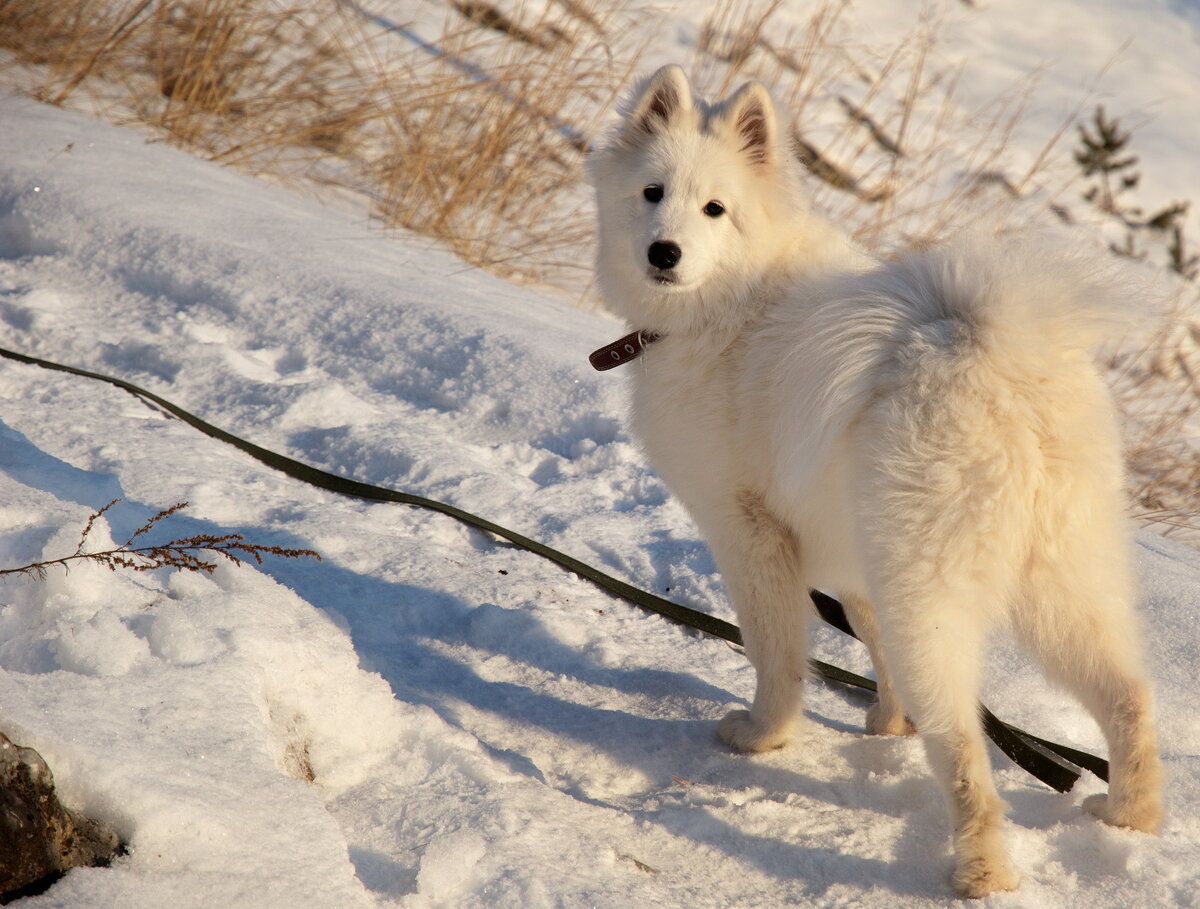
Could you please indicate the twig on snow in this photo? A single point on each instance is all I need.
(185, 552)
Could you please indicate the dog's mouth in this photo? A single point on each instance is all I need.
(663, 277)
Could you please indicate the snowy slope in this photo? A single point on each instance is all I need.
(482, 729)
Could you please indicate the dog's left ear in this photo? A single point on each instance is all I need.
(750, 115)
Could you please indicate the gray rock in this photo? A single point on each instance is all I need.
(39, 838)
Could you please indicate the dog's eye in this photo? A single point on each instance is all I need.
(653, 193)
(714, 209)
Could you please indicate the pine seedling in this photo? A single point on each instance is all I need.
(1103, 155)
(184, 553)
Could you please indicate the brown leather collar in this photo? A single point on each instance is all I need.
(627, 348)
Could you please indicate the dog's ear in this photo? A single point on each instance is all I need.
(663, 97)
(750, 115)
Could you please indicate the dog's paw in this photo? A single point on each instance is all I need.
(981, 863)
(740, 732)
(981, 876)
(893, 723)
(1146, 817)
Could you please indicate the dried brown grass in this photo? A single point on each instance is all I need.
(312, 90)
(1158, 389)
(494, 168)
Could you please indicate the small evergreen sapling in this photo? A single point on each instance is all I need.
(1103, 155)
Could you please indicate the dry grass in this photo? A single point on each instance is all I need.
(1158, 390)
(898, 157)
(494, 168)
(490, 162)
(315, 91)
(236, 80)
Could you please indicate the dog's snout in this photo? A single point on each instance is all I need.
(664, 254)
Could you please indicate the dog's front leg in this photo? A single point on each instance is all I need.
(759, 558)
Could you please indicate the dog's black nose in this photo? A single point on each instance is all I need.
(664, 254)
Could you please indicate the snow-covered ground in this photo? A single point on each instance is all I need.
(482, 729)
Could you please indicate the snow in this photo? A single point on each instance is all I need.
(428, 717)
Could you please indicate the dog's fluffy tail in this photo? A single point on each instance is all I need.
(1024, 298)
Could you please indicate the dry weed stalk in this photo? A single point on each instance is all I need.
(183, 553)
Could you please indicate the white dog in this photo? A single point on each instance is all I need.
(928, 438)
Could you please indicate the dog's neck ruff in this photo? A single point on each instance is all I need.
(621, 351)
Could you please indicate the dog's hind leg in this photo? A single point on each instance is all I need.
(886, 716)
(934, 646)
(759, 559)
(1077, 619)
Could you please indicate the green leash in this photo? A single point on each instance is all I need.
(1054, 764)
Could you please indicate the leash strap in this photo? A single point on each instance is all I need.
(1048, 761)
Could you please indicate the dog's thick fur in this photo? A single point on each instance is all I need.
(926, 437)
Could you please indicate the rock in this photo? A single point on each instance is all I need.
(39, 838)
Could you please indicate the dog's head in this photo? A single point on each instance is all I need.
(687, 195)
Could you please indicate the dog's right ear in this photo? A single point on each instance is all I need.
(663, 98)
